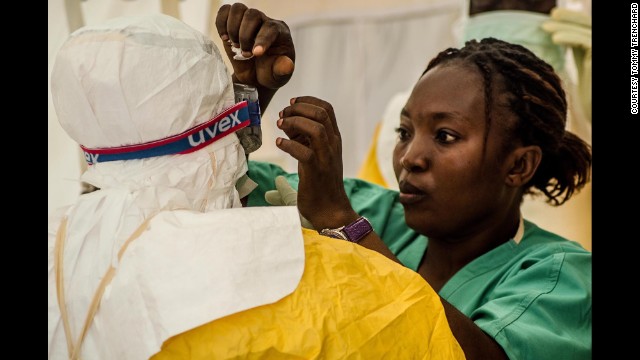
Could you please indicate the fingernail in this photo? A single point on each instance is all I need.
(224, 37)
(279, 122)
(258, 49)
(292, 101)
(280, 113)
(278, 141)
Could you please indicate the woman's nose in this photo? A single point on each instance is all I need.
(415, 159)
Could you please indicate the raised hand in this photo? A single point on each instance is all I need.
(266, 42)
(314, 140)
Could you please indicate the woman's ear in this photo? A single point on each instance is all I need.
(524, 163)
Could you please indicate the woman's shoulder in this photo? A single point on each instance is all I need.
(543, 254)
(537, 238)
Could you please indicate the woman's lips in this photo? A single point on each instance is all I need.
(407, 198)
(409, 194)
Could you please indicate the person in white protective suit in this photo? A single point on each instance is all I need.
(150, 265)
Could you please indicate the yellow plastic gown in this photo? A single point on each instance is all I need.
(350, 303)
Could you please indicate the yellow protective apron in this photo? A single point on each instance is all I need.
(350, 303)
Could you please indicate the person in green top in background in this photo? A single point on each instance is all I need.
(484, 125)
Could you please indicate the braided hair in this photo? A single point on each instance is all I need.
(539, 103)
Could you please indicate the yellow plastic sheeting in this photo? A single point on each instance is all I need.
(351, 303)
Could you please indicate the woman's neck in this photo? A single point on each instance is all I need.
(445, 257)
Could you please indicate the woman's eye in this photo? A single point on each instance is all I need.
(445, 137)
(403, 134)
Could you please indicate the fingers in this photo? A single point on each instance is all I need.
(234, 21)
(568, 34)
(267, 67)
(308, 141)
(250, 30)
(577, 17)
(328, 108)
(250, 34)
(221, 22)
(268, 34)
(273, 40)
(311, 132)
(569, 27)
(315, 109)
(239, 24)
(252, 21)
(298, 151)
(274, 198)
(287, 192)
(310, 124)
(571, 39)
(555, 26)
(283, 66)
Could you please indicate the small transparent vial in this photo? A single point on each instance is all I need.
(251, 136)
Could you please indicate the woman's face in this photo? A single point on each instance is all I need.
(448, 187)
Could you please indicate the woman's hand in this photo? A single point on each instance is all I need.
(267, 42)
(314, 140)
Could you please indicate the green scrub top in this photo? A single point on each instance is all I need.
(532, 297)
(376, 203)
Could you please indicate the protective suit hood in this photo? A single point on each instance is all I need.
(138, 83)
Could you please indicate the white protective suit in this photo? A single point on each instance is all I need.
(146, 266)
(135, 81)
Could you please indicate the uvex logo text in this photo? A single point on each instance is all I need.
(216, 129)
